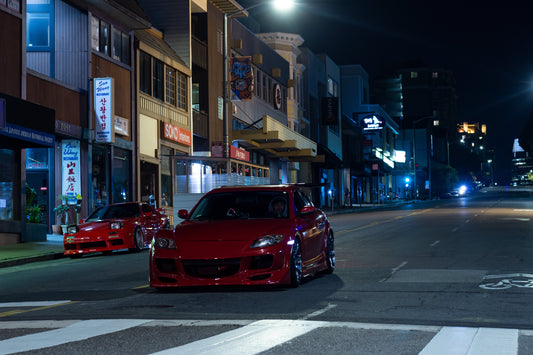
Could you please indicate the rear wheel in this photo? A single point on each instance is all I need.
(137, 240)
(296, 264)
(330, 254)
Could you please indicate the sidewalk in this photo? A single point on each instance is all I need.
(52, 248)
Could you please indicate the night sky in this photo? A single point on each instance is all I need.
(487, 45)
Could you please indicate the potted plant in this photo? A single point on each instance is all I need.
(61, 212)
(35, 230)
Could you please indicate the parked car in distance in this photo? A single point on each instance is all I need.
(244, 235)
(129, 225)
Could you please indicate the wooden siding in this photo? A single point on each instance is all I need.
(70, 106)
(10, 57)
(102, 68)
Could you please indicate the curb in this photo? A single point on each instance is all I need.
(32, 259)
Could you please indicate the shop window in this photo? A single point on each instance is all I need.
(8, 177)
(36, 158)
(99, 182)
(38, 28)
(166, 176)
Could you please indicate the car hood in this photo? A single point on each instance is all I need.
(238, 230)
(96, 226)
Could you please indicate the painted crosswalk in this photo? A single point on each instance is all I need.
(253, 337)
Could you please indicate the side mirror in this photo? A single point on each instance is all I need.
(308, 209)
(182, 214)
(81, 221)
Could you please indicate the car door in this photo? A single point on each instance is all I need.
(311, 229)
(150, 220)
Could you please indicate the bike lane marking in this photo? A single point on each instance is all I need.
(473, 341)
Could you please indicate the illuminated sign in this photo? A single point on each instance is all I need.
(70, 162)
(277, 96)
(177, 134)
(103, 109)
(239, 153)
(372, 123)
(399, 156)
(122, 126)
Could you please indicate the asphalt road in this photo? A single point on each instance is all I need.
(404, 272)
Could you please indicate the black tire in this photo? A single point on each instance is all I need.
(330, 254)
(137, 240)
(296, 265)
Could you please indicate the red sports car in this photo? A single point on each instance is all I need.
(245, 235)
(129, 225)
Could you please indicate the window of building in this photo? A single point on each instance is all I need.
(39, 25)
(158, 79)
(110, 40)
(182, 91)
(145, 73)
(414, 75)
(170, 95)
(434, 75)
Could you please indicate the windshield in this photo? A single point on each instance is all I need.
(115, 212)
(242, 205)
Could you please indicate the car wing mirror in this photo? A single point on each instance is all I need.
(307, 209)
(182, 214)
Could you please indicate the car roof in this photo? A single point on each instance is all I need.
(282, 187)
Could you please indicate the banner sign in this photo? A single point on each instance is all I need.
(372, 123)
(242, 79)
(28, 135)
(239, 153)
(330, 111)
(122, 126)
(278, 99)
(104, 110)
(177, 134)
(70, 164)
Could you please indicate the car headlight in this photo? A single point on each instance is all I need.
(116, 225)
(267, 241)
(72, 229)
(164, 243)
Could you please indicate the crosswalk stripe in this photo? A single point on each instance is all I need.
(75, 332)
(251, 339)
(473, 341)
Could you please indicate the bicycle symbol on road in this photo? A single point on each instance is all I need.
(507, 281)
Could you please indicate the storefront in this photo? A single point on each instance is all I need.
(26, 144)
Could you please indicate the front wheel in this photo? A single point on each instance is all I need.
(296, 264)
(137, 240)
(330, 254)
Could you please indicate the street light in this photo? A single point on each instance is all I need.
(280, 5)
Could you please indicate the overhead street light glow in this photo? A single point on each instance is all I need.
(283, 4)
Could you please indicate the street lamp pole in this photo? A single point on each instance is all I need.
(225, 97)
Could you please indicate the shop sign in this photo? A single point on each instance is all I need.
(372, 123)
(28, 135)
(399, 156)
(278, 99)
(177, 134)
(122, 126)
(70, 162)
(104, 110)
(242, 79)
(217, 149)
(238, 153)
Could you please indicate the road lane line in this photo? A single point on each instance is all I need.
(252, 339)
(18, 311)
(435, 243)
(473, 341)
(382, 222)
(319, 312)
(32, 304)
(75, 332)
(395, 270)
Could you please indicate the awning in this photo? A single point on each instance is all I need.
(276, 139)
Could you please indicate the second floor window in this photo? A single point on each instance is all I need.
(110, 41)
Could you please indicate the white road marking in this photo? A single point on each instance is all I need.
(393, 271)
(515, 219)
(523, 210)
(473, 341)
(435, 243)
(319, 312)
(32, 304)
(74, 332)
(455, 230)
(252, 339)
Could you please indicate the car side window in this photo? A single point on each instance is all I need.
(299, 202)
(147, 209)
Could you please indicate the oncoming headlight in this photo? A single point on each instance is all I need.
(164, 243)
(267, 241)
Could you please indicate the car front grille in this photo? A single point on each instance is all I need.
(212, 269)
